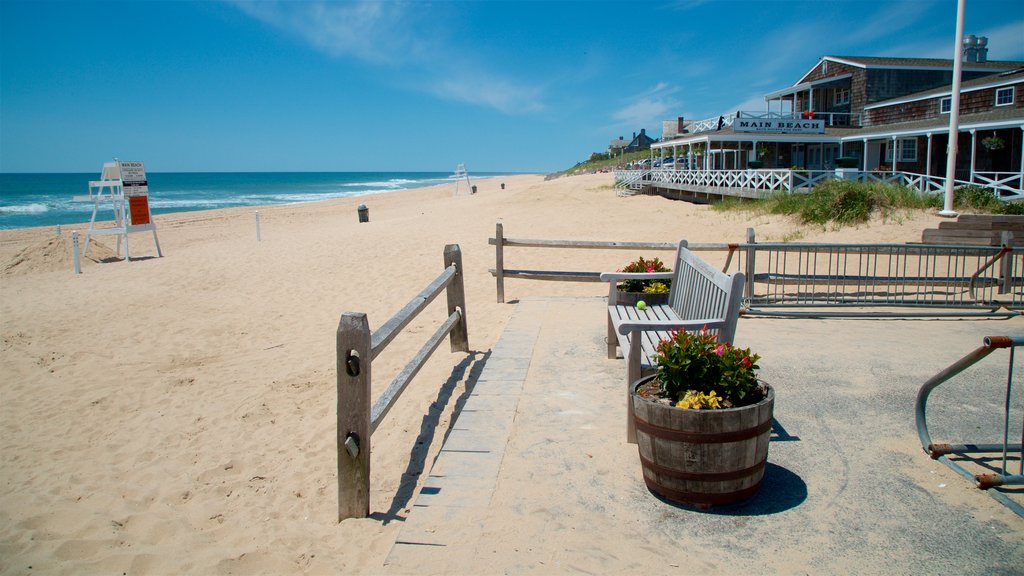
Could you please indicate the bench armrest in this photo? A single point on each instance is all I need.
(616, 276)
(665, 325)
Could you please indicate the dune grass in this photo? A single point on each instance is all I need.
(844, 203)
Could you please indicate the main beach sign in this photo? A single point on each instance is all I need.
(779, 125)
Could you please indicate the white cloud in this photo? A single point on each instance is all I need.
(378, 32)
(387, 33)
(649, 108)
(492, 92)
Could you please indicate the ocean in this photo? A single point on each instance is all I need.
(28, 200)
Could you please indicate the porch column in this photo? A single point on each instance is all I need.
(1021, 172)
(864, 160)
(974, 151)
(895, 154)
(928, 161)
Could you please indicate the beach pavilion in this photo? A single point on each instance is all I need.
(874, 118)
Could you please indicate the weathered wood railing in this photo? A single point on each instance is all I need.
(356, 349)
(500, 272)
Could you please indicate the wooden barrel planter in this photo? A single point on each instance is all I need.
(651, 299)
(702, 457)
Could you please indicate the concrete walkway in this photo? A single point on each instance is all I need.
(536, 477)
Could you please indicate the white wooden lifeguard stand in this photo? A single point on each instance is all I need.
(122, 186)
(458, 176)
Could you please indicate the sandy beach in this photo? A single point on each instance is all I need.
(177, 414)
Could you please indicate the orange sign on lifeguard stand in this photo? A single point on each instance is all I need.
(118, 181)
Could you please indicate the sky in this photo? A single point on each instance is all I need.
(418, 86)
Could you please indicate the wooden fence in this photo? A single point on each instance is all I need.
(500, 243)
(356, 349)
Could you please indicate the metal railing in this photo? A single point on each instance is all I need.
(356, 349)
(942, 452)
(977, 280)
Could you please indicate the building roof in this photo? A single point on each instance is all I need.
(1004, 117)
(877, 62)
(993, 80)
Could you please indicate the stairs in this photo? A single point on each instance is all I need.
(976, 230)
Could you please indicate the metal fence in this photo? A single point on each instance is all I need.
(966, 280)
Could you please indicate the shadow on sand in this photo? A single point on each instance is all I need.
(781, 490)
(469, 369)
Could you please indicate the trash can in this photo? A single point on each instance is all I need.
(364, 213)
(473, 188)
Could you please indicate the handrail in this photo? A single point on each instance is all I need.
(941, 451)
(356, 349)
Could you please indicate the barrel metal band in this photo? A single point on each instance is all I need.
(702, 476)
(700, 437)
(701, 497)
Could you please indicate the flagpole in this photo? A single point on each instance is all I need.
(954, 113)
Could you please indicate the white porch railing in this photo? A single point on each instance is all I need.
(1007, 186)
(711, 123)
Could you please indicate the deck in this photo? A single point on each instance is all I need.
(536, 467)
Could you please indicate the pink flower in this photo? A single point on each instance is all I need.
(720, 349)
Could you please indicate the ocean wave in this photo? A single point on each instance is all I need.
(389, 184)
(34, 208)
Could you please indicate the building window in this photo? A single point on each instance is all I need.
(907, 148)
(1004, 96)
(842, 96)
(945, 105)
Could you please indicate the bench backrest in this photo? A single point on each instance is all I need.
(699, 290)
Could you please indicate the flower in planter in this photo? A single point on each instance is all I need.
(993, 143)
(647, 286)
(696, 371)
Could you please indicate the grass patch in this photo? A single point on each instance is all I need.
(844, 203)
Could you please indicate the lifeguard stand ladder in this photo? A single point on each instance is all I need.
(459, 175)
(123, 185)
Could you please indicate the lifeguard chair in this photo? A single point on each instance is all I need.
(123, 187)
(461, 174)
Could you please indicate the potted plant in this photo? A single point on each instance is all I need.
(653, 292)
(703, 420)
(993, 142)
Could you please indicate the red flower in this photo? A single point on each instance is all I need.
(746, 362)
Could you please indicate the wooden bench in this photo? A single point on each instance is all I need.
(700, 296)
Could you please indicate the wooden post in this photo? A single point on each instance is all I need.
(748, 289)
(1006, 266)
(456, 293)
(353, 366)
(499, 262)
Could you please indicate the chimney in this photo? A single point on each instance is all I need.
(975, 49)
(680, 125)
(642, 130)
(634, 135)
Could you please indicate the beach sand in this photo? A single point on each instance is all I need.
(177, 414)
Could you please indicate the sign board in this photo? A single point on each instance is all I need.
(779, 125)
(138, 209)
(133, 178)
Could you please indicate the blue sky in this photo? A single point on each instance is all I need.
(392, 86)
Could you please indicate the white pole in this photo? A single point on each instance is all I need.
(257, 225)
(954, 113)
(58, 230)
(74, 248)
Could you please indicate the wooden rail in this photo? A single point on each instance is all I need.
(500, 243)
(356, 349)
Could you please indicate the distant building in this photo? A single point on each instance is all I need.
(640, 141)
(615, 147)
